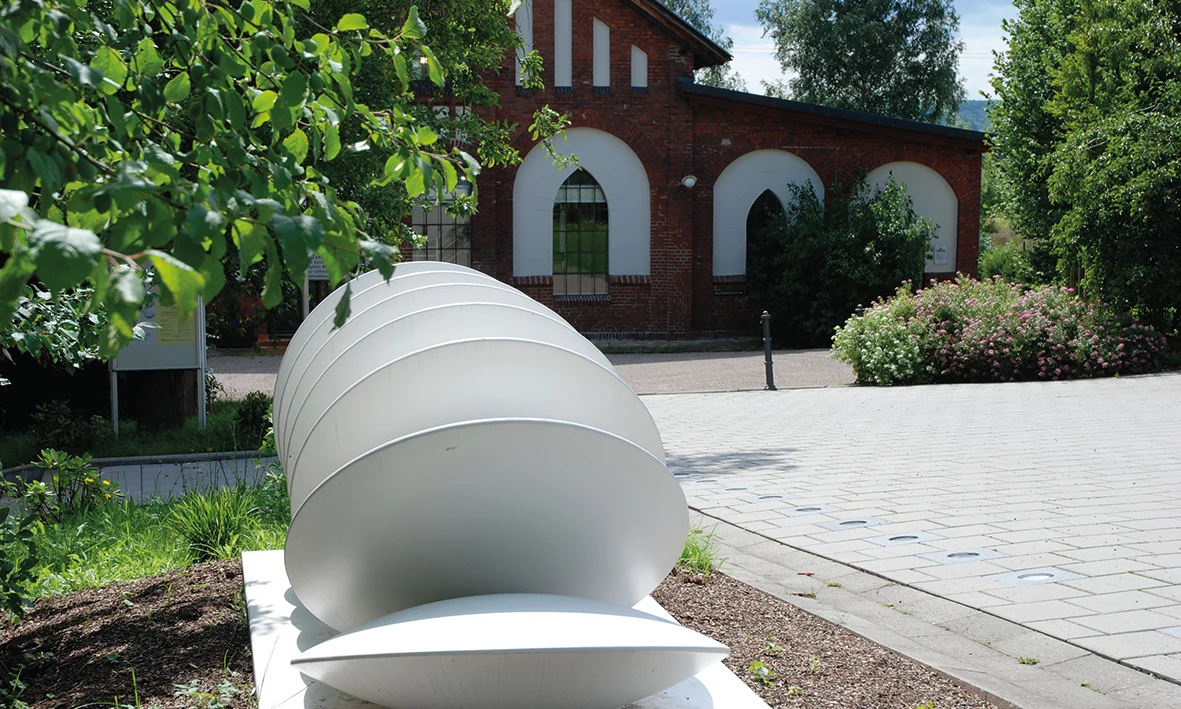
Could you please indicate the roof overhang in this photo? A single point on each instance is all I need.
(756, 101)
(705, 51)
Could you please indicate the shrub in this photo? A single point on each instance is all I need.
(76, 486)
(983, 331)
(18, 561)
(252, 420)
(56, 425)
(217, 524)
(815, 263)
(1008, 261)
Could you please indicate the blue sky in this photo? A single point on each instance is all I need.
(980, 28)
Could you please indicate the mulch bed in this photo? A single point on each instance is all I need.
(815, 663)
(190, 626)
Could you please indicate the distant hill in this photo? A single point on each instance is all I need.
(973, 113)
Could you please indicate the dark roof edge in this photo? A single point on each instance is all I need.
(707, 49)
(688, 86)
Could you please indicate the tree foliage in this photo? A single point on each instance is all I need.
(1092, 160)
(164, 133)
(890, 57)
(816, 262)
(700, 14)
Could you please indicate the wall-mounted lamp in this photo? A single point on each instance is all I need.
(688, 181)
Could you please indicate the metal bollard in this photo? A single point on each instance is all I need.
(767, 350)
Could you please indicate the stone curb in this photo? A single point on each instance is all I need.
(150, 460)
(974, 649)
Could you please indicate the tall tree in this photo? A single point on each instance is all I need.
(890, 57)
(1025, 132)
(700, 14)
(1116, 175)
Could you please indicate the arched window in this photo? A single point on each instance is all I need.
(580, 237)
(765, 209)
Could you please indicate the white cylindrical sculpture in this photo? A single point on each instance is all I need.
(367, 290)
(362, 418)
(478, 500)
(559, 651)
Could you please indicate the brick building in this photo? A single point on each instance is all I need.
(647, 238)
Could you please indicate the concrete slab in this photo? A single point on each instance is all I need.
(280, 629)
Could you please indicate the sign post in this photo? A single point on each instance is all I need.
(173, 343)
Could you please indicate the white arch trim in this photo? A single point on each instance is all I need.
(625, 185)
(735, 192)
(933, 198)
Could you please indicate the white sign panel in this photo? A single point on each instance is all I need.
(170, 342)
(317, 271)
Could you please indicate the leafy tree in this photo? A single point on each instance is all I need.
(700, 14)
(200, 127)
(890, 57)
(1088, 142)
(1025, 132)
(815, 263)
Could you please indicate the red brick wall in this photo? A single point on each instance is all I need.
(675, 135)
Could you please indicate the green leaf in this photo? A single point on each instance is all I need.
(124, 298)
(113, 68)
(434, 68)
(13, 276)
(147, 59)
(251, 241)
(180, 279)
(331, 141)
(415, 183)
(299, 237)
(64, 255)
(400, 69)
(264, 101)
(297, 143)
(178, 88)
(414, 28)
(382, 255)
(301, 4)
(82, 74)
(12, 202)
(46, 168)
(450, 175)
(426, 136)
(352, 21)
(344, 307)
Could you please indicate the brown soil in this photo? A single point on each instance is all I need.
(815, 663)
(190, 626)
(184, 626)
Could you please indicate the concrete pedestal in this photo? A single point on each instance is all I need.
(280, 629)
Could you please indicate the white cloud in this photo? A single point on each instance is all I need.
(754, 56)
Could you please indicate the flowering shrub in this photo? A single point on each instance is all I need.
(76, 487)
(992, 331)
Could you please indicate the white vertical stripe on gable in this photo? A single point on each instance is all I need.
(639, 68)
(602, 72)
(524, 19)
(563, 43)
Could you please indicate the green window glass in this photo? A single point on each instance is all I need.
(580, 237)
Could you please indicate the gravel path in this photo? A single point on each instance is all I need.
(667, 373)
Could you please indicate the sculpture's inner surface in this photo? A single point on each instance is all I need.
(478, 501)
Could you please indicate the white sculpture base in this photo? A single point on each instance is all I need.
(280, 629)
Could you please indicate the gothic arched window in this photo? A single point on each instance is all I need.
(580, 237)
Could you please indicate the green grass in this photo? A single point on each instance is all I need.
(20, 448)
(127, 541)
(699, 555)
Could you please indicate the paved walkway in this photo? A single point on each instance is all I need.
(1053, 505)
(646, 373)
